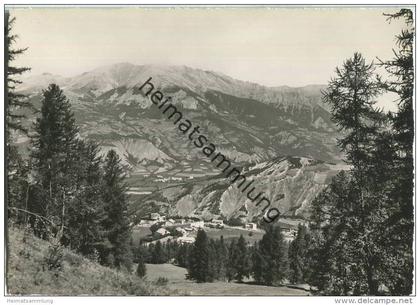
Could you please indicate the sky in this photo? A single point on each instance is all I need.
(291, 46)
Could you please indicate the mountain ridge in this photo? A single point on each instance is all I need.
(249, 123)
(131, 65)
(127, 74)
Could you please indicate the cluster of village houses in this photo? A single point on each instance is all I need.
(169, 179)
(184, 230)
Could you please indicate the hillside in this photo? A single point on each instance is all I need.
(27, 273)
(248, 121)
(250, 124)
(177, 280)
(298, 179)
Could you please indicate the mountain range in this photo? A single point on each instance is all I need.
(250, 123)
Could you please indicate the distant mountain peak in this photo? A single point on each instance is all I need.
(125, 74)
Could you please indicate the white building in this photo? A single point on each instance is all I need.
(186, 240)
(157, 217)
(154, 216)
(197, 224)
(251, 226)
(216, 223)
(181, 231)
(162, 232)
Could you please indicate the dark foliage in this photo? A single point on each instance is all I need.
(270, 263)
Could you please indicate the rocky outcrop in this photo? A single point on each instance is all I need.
(291, 183)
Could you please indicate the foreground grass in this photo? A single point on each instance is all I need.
(177, 280)
(28, 274)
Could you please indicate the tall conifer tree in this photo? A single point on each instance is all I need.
(17, 169)
(270, 263)
(352, 97)
(16, 102)
(298, 256)
(86, 212)
(198, 268)
(399, 228)
(54, 154)
(117, 223)
(242, 260)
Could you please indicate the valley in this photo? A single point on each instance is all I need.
(164, 176)
(276, 135)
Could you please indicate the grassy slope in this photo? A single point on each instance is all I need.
(27, 273)
(176, 280)
(230, 233)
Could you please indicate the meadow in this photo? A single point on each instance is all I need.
(227, 232)
(177, 281)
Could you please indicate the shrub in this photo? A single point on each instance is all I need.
(161, 281)
(141, 269)
(53, 258)
(73, 259)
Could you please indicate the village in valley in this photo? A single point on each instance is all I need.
(184, 230)
(190, 165)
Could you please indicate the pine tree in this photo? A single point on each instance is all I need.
(367, 223)
(143, 251)
(150, 250)
(213, 260)
(168, 250)
(298, 256)
(116, 223)
(399, 228)
(242, 260)
(141, 267)
(335, 255)
(18, 186)
(198, 268)
(222, 257)
(54, 156)
(351, 95)
(86, 212)
(231, 270)
(257, 264)
(158, 254)
(171, 248)
(17, 169)
(270, 262)
(15, 101)
(182, 256)
(401, 70)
